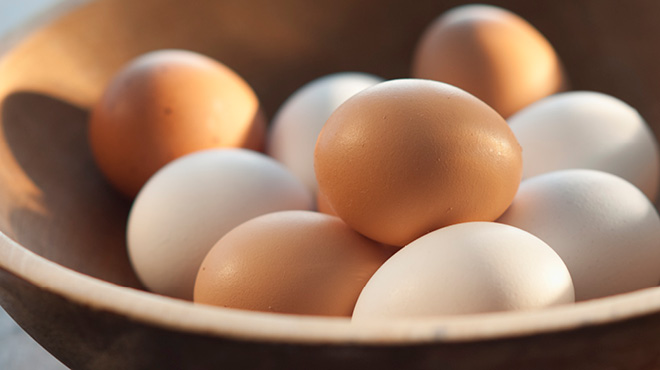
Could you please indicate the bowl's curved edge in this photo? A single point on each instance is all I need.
(187, 317)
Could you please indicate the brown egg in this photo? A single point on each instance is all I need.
(166, 104)
(297, 262)
(408, 156)
(491, 53)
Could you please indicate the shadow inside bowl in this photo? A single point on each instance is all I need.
(74, 217)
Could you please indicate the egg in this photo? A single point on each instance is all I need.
(467, 268)
(587, 129)
(298, 122)
(405, 157)
(294, 262)
(603, 227)
(165, 104)
(189, 204)
(492, 53)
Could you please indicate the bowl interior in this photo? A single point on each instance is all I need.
(53, 200)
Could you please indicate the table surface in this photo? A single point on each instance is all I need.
(18, 351)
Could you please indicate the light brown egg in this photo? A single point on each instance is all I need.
(408, 156)
(492, 53)
(297, 262)
(165, 104)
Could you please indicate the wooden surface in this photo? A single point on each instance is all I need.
(64, 274)
(18, 351)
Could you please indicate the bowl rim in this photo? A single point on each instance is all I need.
(184, 316)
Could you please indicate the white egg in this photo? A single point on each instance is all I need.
(189, 204)
(604, 228)
(466, 268)
(585, 129)
(298, 122)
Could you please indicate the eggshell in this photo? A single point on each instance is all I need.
(493, 54)
(298, 122)
(294, 262)
(466, 268)
(603, 227)
(586, 129)
(189, 204)
(165, 104)
(405, 157)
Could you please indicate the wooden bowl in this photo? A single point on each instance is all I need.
(64, 272)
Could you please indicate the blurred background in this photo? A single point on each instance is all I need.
(15, 12)
(17, 350)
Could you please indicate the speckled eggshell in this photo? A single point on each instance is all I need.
(587, 129)
(492, 53)
(293, 262)
(406, 157)
(188, 205)
(603, 227)
(298, 122)
(468, 268)
(165, 104)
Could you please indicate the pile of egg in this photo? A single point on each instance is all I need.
(479, 184)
